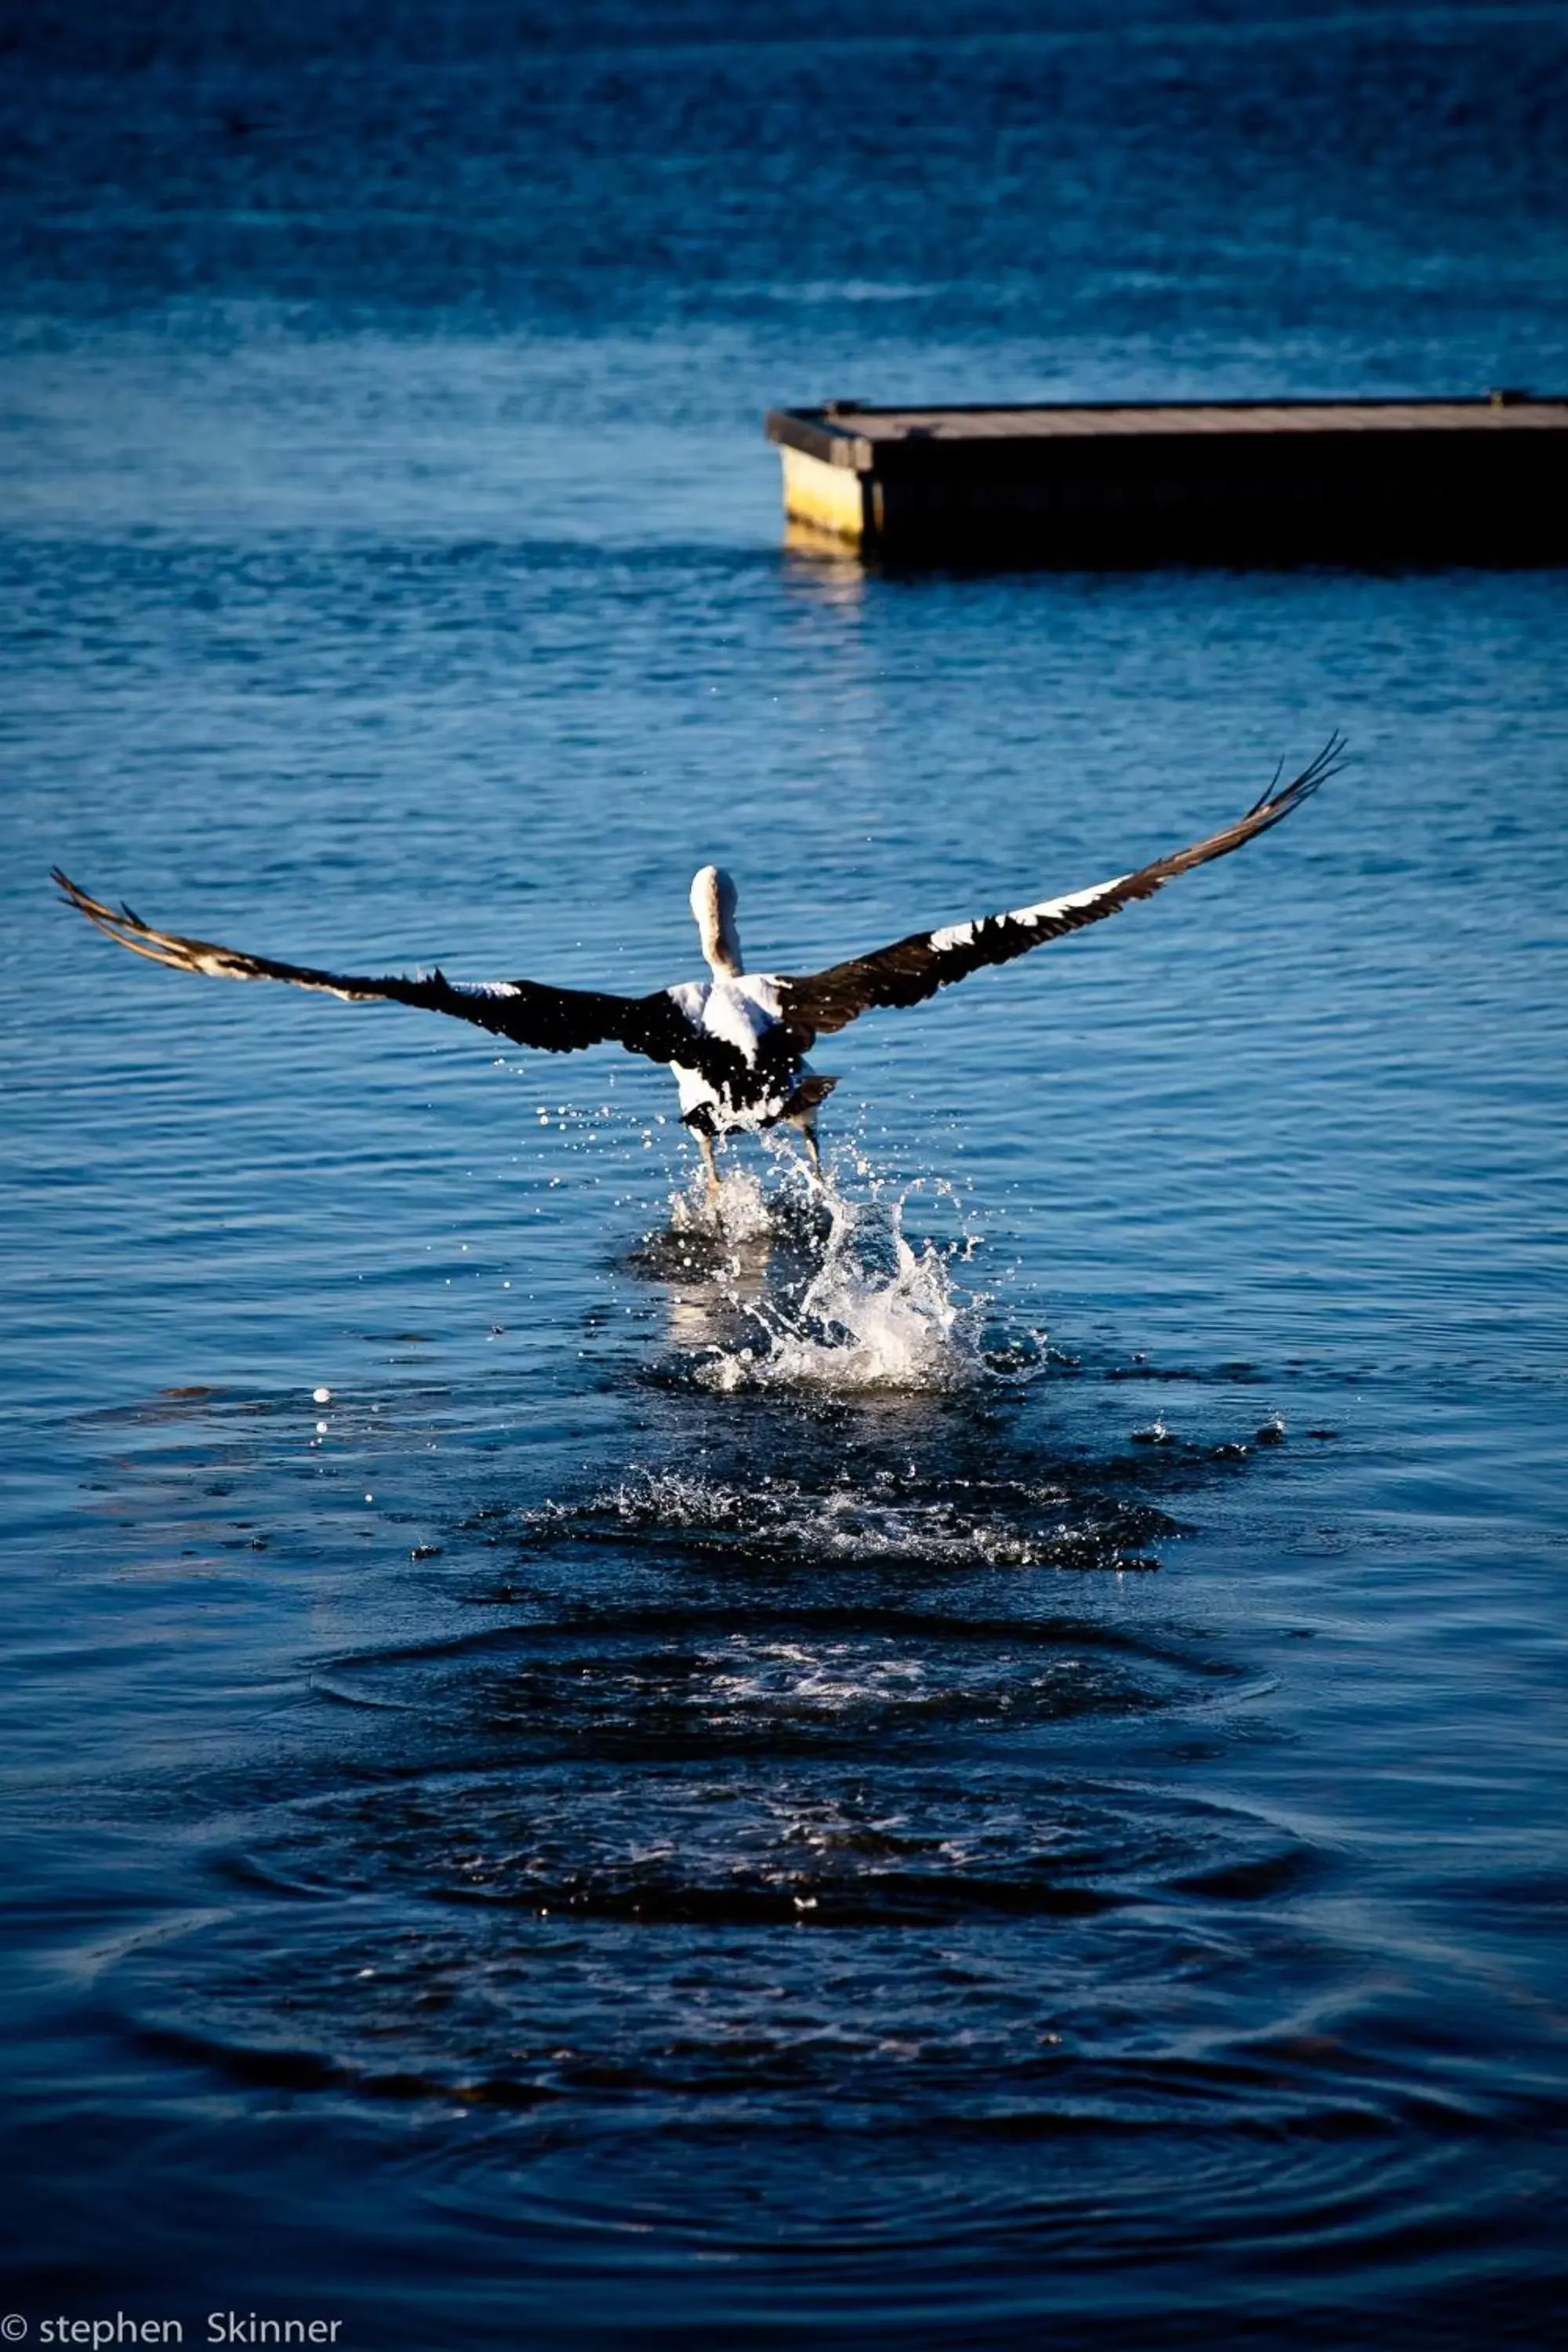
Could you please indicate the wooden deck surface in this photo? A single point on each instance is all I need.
(880, 424)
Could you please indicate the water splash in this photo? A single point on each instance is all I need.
(937, 1519)
(840, 1299)
(739, 1212)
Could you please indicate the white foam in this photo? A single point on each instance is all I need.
(670, 1498)
(739, 1212)
(858, 1324)
(952, 1525)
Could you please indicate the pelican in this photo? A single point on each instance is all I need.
(737, 1042)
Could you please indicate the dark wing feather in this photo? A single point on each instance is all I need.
(915, 968)
(554, 1020)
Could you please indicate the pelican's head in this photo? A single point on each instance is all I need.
(713, 897)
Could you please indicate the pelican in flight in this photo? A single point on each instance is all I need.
(737, 1043)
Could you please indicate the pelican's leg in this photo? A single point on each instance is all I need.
(802, 1109)
(705, 1143)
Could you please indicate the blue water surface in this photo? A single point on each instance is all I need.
(722, 1784)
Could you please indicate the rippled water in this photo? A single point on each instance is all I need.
(977, 1758)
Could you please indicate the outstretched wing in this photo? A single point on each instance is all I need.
(554, 1020)
(913, 969)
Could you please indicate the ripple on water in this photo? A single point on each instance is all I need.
(910, 1517)
(787, 1807)
(832, 1675)
(940, 2008)
(488, 1922)
(773, 1864)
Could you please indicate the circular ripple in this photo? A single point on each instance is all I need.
(937, 2053)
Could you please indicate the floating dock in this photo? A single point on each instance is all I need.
(1250, 481)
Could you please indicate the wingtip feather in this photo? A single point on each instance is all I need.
(1278, 801)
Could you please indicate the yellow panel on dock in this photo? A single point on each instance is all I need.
(826, 498)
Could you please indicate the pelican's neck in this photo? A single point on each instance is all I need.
(723, 955)
(713, 897)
